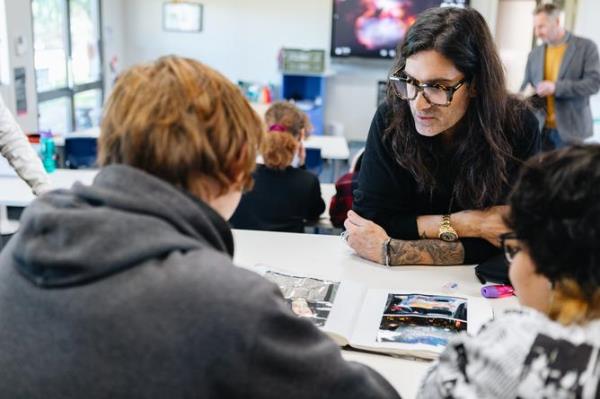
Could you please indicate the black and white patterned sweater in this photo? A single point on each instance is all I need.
(522, 354)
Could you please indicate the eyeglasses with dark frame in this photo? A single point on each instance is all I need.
(438, 94)
(510, 245)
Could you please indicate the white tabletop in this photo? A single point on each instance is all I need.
(332, 147)
(15, 192)
(329, 257)
(93, 132)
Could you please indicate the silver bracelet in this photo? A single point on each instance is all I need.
(386, 251)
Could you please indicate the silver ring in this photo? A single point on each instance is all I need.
(344, 235)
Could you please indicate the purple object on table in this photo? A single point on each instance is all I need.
(497, 291)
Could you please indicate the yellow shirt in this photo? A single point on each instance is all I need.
(554, 56)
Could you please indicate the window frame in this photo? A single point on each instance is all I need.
(71, 89)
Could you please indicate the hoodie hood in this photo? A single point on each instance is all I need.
(73, 237)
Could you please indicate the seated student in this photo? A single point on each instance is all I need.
(341, 202)
(284, 196)
(126, 288)
(550, 348)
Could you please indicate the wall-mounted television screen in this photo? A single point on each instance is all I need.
(373, 28)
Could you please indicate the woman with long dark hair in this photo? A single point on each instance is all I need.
(443, 151)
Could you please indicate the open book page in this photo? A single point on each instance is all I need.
(415, 324)
(393, 321)
(331, 305)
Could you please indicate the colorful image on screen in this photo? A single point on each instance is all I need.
(373, 28)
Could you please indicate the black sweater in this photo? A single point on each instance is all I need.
(387, 193)
(281, 200)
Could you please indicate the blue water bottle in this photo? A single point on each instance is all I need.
(47, 151)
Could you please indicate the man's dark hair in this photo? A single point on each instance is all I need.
(555, 211)
(551, 10)
(490, 127)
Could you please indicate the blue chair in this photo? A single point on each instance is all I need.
(314, 161)
(80, 152)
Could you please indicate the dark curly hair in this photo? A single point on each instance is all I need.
(555, 211)
(492, 125)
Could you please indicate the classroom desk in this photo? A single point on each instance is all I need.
(330, 258)
(15, 192)
(94, 132)
(334, 148)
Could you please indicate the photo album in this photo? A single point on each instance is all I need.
(396, 322)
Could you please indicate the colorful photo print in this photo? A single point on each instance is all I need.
(422, 319)
(310, 298)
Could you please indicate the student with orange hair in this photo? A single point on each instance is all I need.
(126, 288)
(284, 196)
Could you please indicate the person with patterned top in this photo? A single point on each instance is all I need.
(551, 347)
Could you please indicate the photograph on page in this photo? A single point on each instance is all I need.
(308, 297)
(422, 319)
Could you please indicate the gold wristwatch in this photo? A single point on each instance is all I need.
(447, 232)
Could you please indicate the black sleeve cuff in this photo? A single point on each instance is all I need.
(402, 227)
(477, 250)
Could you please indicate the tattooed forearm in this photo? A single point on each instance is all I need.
(426, 252)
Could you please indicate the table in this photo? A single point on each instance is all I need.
(15, 192)
(332, 147)
(94, 132)
(330, 258)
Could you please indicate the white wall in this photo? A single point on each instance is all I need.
(4, 57)
(514, 37)
(241, 39)
(113, 12)
(587, 25)
(18, 24)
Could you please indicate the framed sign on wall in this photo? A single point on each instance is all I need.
(182, 16)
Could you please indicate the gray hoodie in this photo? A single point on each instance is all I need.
(126, 289)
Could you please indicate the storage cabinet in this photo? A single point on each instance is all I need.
(308, 92)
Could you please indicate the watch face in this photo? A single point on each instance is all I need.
(448, 236)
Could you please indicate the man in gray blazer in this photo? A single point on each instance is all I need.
(565, 72)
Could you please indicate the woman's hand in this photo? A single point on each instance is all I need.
(365, 237)
(493, 225)
(490, 223)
